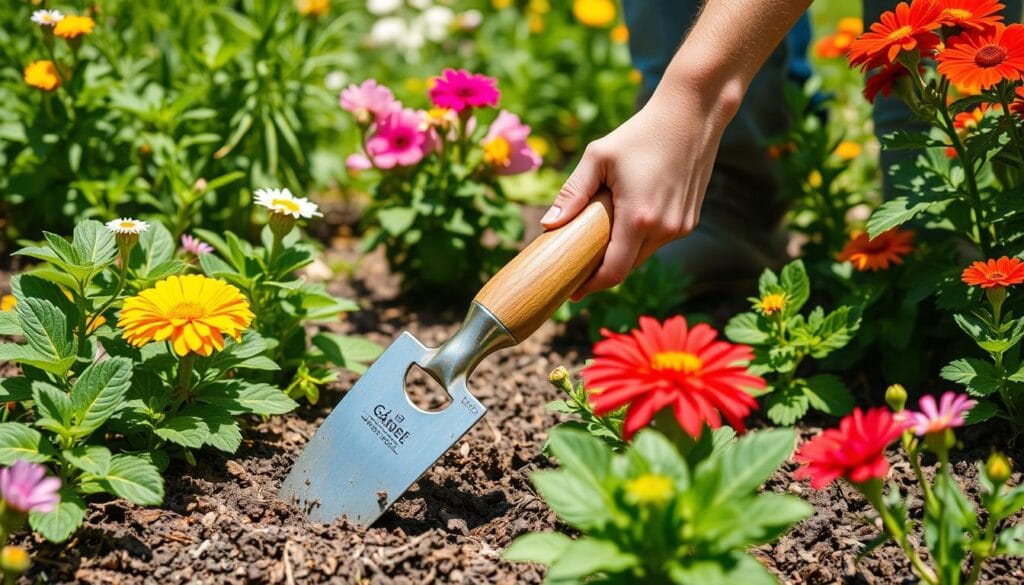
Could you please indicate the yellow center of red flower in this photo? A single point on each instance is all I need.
(187, 311)
(957, 13)
(287, 204)
(679, 361)
(990, 56)
(900, 33)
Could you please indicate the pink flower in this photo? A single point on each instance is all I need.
(368, 101)
(505, 146)
(458, 90)
(195, 246)
(936, 418)
(398, 140)
(25, 487)
(357, 161)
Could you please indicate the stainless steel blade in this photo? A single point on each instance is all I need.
(376, 442)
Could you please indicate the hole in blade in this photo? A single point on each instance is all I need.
(424, 391)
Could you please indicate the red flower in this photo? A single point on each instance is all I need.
(667, 364)
(981, 59)
(855, 451)
(994, 273)
(909, 28)
(970, 14)
(883, 81)
(1017, 106)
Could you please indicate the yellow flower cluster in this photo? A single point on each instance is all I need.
(594, 13)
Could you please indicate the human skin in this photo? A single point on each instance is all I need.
(658, 163)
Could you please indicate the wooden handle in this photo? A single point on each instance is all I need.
(527, 290)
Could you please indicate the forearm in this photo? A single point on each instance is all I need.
(725, 48)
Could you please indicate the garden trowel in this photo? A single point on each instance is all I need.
(376, 442)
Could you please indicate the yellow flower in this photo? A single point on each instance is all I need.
(635, 76)
(313, 7)
(72, 27)
(814, 179)
(14, 559)
(501, 4)
(772, 303)
(848, 150)
(539, 6)
(594, 13)
(42, 75)
(7, 303)
(193, 312)
(851, 25)
(536, 23)
(414, 84)
(538, 145)
(497, 152)
(619, 34)
(650, 488)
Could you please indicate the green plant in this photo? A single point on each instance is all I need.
(655, 515)
(608, 428)
(783, 338)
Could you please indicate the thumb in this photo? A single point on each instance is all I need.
(577, 191)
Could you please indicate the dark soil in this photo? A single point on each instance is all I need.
(221, 521)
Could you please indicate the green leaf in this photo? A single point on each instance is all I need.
(661, 456)
(94, 244)
(752, 460)
(588, 556)
(396, 220)
(15, 389)
(20, 441)
(828, 394)
(53, 407)
(155, 247)
(59, 524)
(769, 516)
(241, 398)
(46, 329)
(576, 500)
(979, 377)
(134, 479)
(537, 547)
(93, 459)
(796, 285)
(25, 355)
(727, 569)
(981, 412)
(222, 431)
(581, 454)
(98, 393)
(348, 352)
(895, 212)
(786, 405)
(747, 328)
(184, 430)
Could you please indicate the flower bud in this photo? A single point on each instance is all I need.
(281, 224)
(559, 378)
(896, 397)
(998, 468)
(14, 559)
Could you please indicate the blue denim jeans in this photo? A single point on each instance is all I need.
(657, 28)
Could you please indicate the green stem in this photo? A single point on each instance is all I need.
(122, 279)
(977, 212)
(185, 365)
(873, 491)
(913, 453)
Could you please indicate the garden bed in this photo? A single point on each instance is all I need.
(221, 521)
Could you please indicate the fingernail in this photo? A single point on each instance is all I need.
(552, 214)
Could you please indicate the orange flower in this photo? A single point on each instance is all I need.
(851, 25)
(72, 27)
(833, 46)
(1017, 107)
(994, 273)
(909, 28)
(42, 75)
(970, 14)
(670, 365)
(979, 60)
(887, 249)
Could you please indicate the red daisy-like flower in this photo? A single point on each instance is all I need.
(883, 81)
(970, 14)
(980, 59)
(855, 451)
(668, 364)
(994, 273)
(908, 28)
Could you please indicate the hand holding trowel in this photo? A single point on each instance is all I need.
(376, 443)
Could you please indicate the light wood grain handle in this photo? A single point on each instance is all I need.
(527, 290)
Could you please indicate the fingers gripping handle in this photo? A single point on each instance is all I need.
(527, 290)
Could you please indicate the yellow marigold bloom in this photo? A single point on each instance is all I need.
(594, 13)
(42, 75)
(7, 303)
(539, 6)
(771, 304)
(851, 25)
(848, 150)
(539, 145)
(814, 179)
(193, 312)
(313, 7)
(619, 34)
(650, 488)
(72, 27)
(536, 23)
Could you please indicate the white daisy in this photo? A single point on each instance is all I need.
(47, 17)
(127, 225)
(282, 201)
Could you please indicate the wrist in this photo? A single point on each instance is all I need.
(714, 89)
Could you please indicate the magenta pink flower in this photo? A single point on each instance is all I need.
(25, 487)
(195, 246)
(505, 146)
(458, 90)
(357, 161)
(368, 101)
(398, 140)
(936, 418)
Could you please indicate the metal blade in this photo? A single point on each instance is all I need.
(376, 442)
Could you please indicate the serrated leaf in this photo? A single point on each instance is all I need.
(46, 329)
(94, 459)
(99, 392)
(981, 412)
(581, 454)
(747, 328)
(796, 285)
(59, 524)
(752, 460)
(979, 377)
(134, 479)
(787, 405)
(894, 213)
(20, 441)
(94, 244)
(828, 394)
(25, 355)
(241, 398)
(53, 407)
(186, 431)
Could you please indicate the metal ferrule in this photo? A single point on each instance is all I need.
(481, 334)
